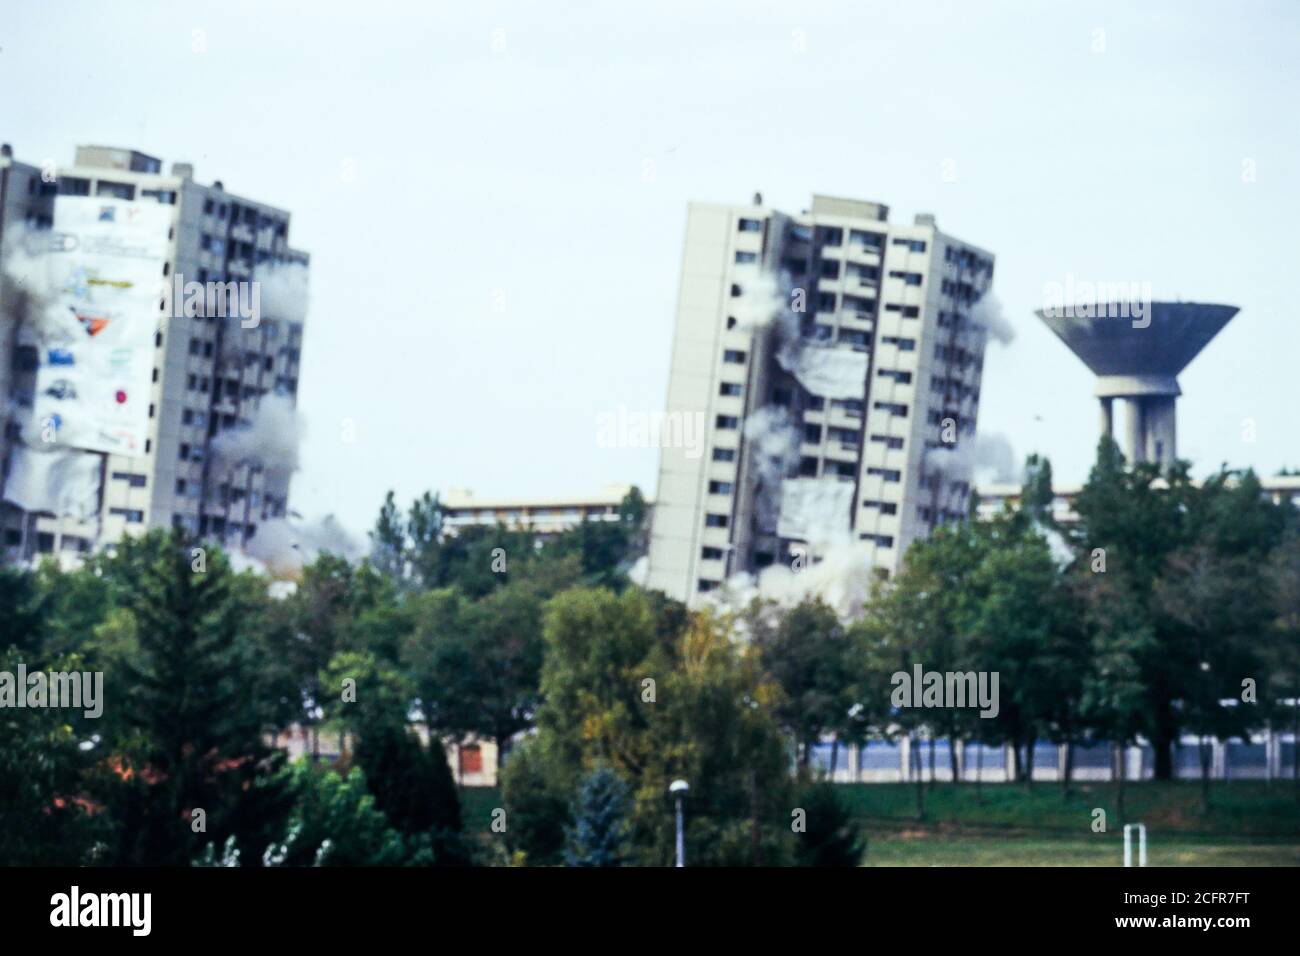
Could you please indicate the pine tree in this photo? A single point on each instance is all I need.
(599, 834)
(199, 748)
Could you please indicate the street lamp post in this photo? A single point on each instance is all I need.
(679, 789)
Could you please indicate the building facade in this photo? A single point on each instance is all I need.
(835, 359)
(213, 373)
(994, 498)
(541, 516)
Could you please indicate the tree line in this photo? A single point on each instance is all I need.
(1161, 602)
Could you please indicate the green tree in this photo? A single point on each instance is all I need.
(831, 836)
(388, 545)
(198, 746)
(47, 816)
(599, 833)
(807, 652)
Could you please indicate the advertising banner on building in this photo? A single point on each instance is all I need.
(96, 336)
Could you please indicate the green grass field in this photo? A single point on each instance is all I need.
(1250, 823)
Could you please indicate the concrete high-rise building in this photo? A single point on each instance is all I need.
(201, 375)
(834, 359)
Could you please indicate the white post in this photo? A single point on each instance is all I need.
(1128, 843)
(681, 842)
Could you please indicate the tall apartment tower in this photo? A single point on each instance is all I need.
(67, 491)
(835, 360)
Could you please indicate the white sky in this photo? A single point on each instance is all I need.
(521, 169)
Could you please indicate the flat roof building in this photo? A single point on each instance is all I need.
(540, 515)
(135, 403)
(834, 360)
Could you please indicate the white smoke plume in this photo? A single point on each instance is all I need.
(270, 439)
(988, 315)
(842, 577)
(774, 441)
(283, 545)
(1062, 553)
(987, 456)
(829, 372)
(284, 291)
(816, 510)
(761, 300)
(32, 301)
(639, 573)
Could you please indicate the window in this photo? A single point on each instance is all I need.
(808, 467)
(830, 269)
(734, 357)
(180, 486)
(72, 186)
(750, 225)
(727, 421)
(902, 378)
(845, 436)
(911, 278)
(115, 190)
(871, 240)
(856, 303)
(135, 481)
(904, 345)
(888, 474)
(885, 507)
(831, 235)
(852, 407)
(826, 301)
(719, 487)
(812, 434)
(913, 245)
(132, 516)
(724, 454)
(893, 442)
(781, 396)
(729, 388)
(852, 337)
(892, 407)
(707, 585)
(711, 554)
(715, 521)
(744, 258)
(842, 469)
(184, 454)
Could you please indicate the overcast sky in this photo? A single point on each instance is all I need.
(494, 194)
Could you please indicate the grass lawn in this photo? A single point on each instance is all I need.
(1250, 823)
(1099, 849)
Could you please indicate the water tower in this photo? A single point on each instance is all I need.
(1137, 360)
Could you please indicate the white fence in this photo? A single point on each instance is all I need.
(1264, 756)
